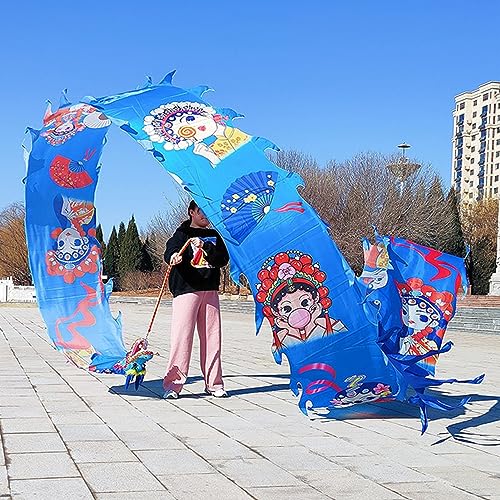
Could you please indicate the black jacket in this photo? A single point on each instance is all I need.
(198, 271)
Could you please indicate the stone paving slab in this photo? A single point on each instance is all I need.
(202, 487)
(41, 465)
(4, 482)
(67, 434)
(70, 488)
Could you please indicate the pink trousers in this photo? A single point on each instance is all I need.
(200, 309)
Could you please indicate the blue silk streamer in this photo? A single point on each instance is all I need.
(64, 254)
(348, 340)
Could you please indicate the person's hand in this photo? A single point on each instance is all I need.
(175, 259)
(197, 242)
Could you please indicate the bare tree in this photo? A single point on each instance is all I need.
(354, 195)
(13, 250)
(163, 225)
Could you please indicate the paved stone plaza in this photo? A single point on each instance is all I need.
(68, 434)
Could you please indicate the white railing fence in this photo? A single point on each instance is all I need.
(16, 293)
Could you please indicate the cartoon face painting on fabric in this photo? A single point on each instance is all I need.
(347, 340)
(64, 254)
(414, 291)
(295, 301)
(411, 293)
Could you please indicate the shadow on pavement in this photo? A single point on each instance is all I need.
(154, 388)
(466, 431)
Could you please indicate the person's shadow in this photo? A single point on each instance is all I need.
(466, 431)
(154, 388)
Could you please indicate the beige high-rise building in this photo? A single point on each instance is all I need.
(476, 143)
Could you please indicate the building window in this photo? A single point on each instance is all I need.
(472, 160)
(462, 105)
(497, 154)
(498, 142)
(484, 111)
(475, 102)
(472, 149)
(474, 125)
(474, 114)
(496, 178)
(485, 96)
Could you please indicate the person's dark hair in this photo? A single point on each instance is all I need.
(192, 206)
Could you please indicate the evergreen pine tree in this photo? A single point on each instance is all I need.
(420, 193)
(111, 255)
(121, 235)
(146, 257)
(130, 249)
(456, 242)
(100, 238)
(436, 193)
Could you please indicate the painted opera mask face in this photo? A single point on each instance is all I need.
(193, 126)
(179, 125)
(64, 128)
(297, 307)
(418, 313)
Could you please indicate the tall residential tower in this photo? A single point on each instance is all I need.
(476, 143)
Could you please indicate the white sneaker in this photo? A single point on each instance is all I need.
(170, 395)
(219, 393)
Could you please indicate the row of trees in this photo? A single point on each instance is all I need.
(126, 258)
(350, 196)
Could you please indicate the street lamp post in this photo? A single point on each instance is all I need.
(495, 278)
(402, 168)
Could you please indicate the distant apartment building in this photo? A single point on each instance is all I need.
(476, 143)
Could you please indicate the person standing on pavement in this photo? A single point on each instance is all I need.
(194, 283)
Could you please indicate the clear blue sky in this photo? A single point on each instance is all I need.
(330, 78)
